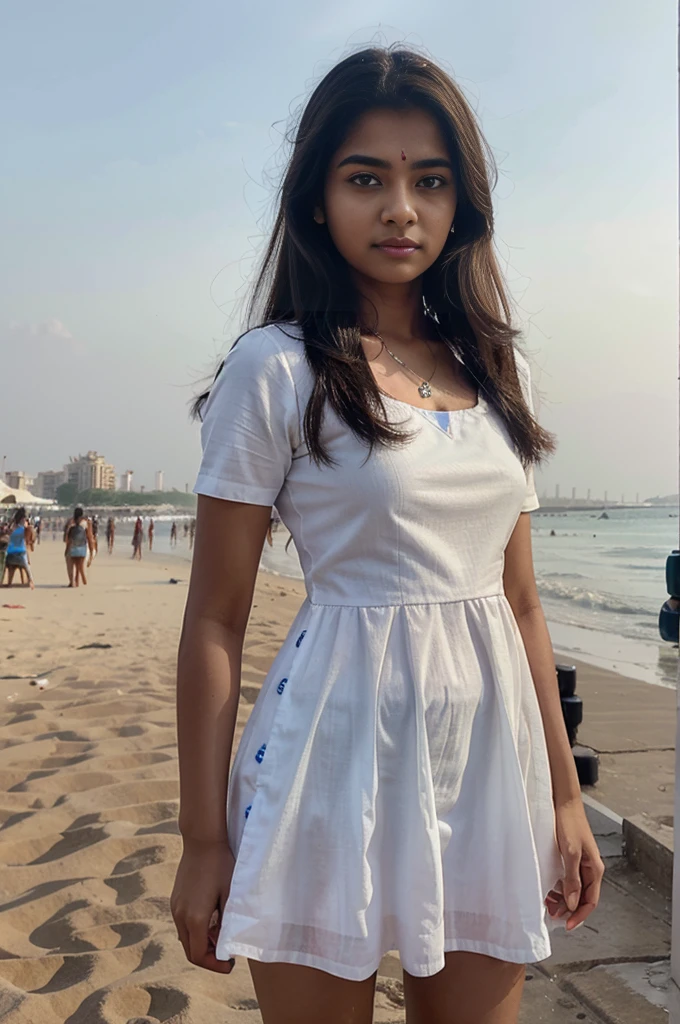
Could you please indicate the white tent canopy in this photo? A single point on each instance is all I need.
(17, 496)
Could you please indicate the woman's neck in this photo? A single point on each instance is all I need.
(393, 311)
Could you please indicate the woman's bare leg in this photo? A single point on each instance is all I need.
(69, 570)
(27, 569)
(471, 989)
(292, 994)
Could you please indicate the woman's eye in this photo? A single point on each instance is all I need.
(432, 181)
(364, 179)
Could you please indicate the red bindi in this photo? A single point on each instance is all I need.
(403, 155)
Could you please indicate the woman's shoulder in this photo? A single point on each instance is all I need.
(280, 339)
(271, 351)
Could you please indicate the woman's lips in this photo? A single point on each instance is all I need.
(398, 251)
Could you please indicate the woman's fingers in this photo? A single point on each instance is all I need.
(589, 901)
(592, 871)
(571, 881)
(560, 900)
(555, 904)
(202, 943)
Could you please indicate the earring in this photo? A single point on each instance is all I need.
(453, 229)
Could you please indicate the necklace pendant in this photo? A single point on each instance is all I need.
(424, 390)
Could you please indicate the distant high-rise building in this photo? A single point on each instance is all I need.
(18, 480)
(605, 497)
(90, 473)
(159, 480)
(46, 483)
(557, 490)
(126, 480)
(637, 497)
(573, 494)
(589, 494)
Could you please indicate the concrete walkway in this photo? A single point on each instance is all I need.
(632, 726)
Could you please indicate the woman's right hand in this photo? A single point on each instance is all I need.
(198, 898)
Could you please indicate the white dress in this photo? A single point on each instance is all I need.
(392, 788)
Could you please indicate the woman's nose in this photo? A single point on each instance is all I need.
(399, 208)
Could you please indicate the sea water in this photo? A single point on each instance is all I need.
(601, 584)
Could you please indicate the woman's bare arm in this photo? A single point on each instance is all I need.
(229, 540)
(519, 583)
(577, 893)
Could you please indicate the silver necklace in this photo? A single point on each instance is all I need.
(424, 389)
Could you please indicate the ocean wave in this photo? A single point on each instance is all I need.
(563, 575)
(590, 599)
(638, 552)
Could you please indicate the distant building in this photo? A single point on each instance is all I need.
(18, 480)
(90, 473)
(159, 480)
(126, 480)
(46, 483)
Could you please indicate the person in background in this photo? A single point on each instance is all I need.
(20, 541)
(138, 539)
(151, 529)
(37, 526)
(110, 533)
(79, 540)
(192, 533)
(173, 534)
(94, 523)
(4, 542)
(186, 530)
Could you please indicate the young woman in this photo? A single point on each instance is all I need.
(79, 540)
(18, 547)
(405, 779)
(138, 538)
(110, 533)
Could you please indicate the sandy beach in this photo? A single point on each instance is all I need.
(88, 780)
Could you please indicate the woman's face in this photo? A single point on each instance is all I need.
(390, 197)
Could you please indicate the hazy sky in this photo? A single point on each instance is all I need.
(140, 144)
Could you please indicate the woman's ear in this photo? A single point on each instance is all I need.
(319, 215)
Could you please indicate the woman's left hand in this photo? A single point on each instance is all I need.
(578, 892)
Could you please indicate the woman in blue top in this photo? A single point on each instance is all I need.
(20, 540)
(404, 781)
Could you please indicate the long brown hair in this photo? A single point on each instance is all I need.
(303, 278)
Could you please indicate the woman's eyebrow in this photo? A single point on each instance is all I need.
(374, 161)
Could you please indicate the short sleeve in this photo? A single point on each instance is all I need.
(250, 424)
(531, 502)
